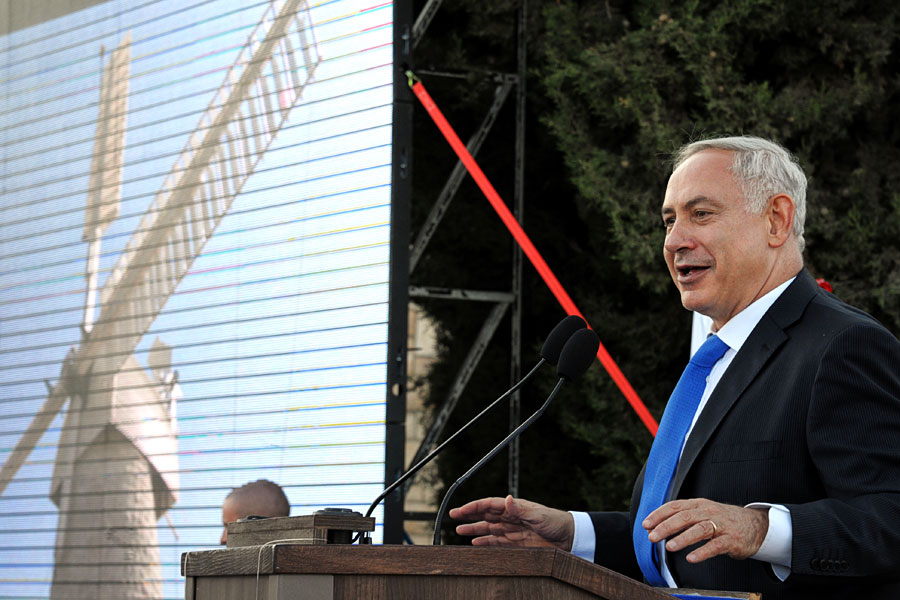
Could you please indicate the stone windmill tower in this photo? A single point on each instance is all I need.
(116, 471)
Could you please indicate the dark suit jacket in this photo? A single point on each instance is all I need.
(807, 415)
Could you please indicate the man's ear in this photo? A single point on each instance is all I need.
(780, 219)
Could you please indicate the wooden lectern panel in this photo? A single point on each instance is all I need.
(453, 588)
(326, 587)
(437, 572)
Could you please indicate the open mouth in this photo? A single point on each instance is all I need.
(690, 271)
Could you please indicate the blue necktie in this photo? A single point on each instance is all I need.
(666, 449)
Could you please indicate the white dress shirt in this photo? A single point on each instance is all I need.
(776, 548)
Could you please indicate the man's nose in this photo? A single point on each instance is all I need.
(678, 237)
(224, 539)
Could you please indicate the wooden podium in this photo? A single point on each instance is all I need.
(307, 564)
(342, 572)
(337, 572)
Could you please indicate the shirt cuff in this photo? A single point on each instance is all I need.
(776, 548)
(585, 540)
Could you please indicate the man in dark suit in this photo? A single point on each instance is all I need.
(787, 472)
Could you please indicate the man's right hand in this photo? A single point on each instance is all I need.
(515, 522)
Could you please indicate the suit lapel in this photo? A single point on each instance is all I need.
(766, 337)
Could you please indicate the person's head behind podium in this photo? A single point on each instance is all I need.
(261, 498)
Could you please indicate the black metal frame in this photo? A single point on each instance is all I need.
(401, 193)
(503, 301)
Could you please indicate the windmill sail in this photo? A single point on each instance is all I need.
(237, 128)
(105, 183)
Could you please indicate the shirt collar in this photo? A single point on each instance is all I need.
(736, 331)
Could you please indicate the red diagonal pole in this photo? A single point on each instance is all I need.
(527, 247)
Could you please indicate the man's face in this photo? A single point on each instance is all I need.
(230, 514)
(717, 253)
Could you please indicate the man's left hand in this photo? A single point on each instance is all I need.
(732, 530)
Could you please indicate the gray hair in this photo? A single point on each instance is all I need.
(763, 169)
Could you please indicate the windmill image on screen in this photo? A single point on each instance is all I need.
(116, 470)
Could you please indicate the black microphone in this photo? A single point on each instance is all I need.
(557, 338)
(550, 353)
(576, 356)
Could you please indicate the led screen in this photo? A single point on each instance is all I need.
(194, 247)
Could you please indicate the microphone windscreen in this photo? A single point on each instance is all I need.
(578, 354)
(559, 336)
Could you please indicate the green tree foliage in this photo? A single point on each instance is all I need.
(613, 88)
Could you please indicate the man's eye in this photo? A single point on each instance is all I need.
(701, 213)
(667, 223)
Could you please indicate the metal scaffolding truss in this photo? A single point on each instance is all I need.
(503, 302)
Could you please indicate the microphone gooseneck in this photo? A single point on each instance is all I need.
(576, 356)
(550, 353)
(415, 469)
(513, 435)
